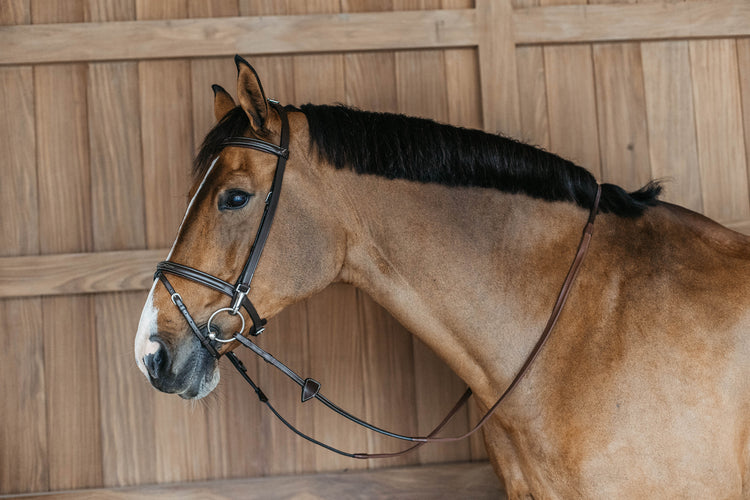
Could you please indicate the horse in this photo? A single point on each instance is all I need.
(465, 238)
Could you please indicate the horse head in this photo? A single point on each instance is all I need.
(229, 200)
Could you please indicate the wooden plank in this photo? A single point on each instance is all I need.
(24, 431)
(467, 480)
(141, 40)
(335, 349)
(628, 22)
(743, 62)
(15, 12)
(126, 398)
(23, 454)
(718, 119)
(571, 105)
(77, 273)
(126, 405)
(206, 72)
(670, 113)
(421, 91)
(390, 394)
(181, 433)
(621, 110)
(497, 64)
(70, 361)
(117, 185)
(532, 96)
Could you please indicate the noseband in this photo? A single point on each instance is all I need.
(310, 387)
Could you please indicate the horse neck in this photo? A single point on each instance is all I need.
(472, 272)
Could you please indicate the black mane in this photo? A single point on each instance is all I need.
(416, 149)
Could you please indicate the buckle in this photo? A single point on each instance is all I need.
(239, 295)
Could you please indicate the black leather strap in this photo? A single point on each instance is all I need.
(272, 202)
(177, 300)
(214, 283)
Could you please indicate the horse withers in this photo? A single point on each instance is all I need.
(466, 237)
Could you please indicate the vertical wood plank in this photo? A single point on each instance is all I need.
(673, 152)
(718, 120)
(571, 101)
(23, 453)
(532, 90)
(621, 107)
(421, 91)
(335, 357)
(743, 61)
(532, 96)
(497, 64)
(181, 429)
(73, 424)
(128, 456)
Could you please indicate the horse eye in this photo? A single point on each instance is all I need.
(233, 199)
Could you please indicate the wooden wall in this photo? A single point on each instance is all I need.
(101, 112)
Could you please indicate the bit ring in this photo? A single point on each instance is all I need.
(212, 335)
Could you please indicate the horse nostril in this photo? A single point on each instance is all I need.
(157, 363)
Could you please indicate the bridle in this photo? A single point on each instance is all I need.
(310, 387)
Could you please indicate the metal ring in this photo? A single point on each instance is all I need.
(178, 296)
(212, 335)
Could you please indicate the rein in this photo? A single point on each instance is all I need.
(310, 387)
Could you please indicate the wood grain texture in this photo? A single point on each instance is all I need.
(421, 91)
(475, 481)
(128, 40)
(571, 105)
(17, 141)
(532, 96)
(670, 113)
(23, 453)
(70, 361)
(743, 62)
(126, 398)
(115, 158)
(181, 436)
(621, 109)
(630, 22)
(718, 120)
(497, 64)
(78, 273)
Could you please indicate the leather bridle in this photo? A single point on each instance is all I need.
(310, 387)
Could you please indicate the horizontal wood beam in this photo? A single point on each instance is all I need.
(51, 43)
(69, 42)
(628, 22)
(63, 274)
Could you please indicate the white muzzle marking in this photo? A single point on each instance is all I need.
(146, 328)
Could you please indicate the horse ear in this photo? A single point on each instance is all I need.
(250, 94)
(223, 102)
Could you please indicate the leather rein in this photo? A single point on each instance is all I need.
(310, 387)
